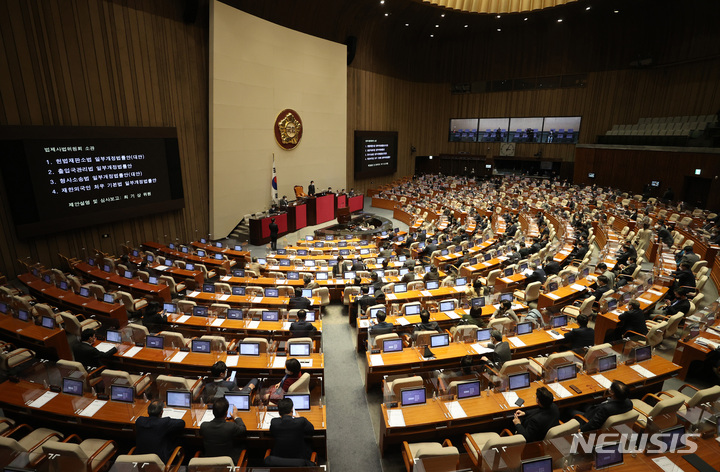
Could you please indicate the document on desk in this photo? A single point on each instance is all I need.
(426, 293)
(510, 398)
(104, 347)
(706, 342)
(644, 300)
(225, 278)
(279, 362)
(257, 300)
(713, 331)
(452, 315)
(224, 297)
(305, 362)
(376, 359)
(481, 349)
(507, 280)
(193, 294)
(390, 296)
(602, 380)
(396, 418)
(578, 287)
(217, 322)
(178, 357)
(286, 325)
(232, 361)
(183, 319)
(552, 296)
(455, 410)
(364, 323)
(173, 413)
(40, 401)
(402, 321)
(517, 342)
(560, 391)
(642, 371)
(207, 416)
(132, 351)
(92, 408)
(269, 415)
(655, 292)
(253, 324)
(160, 267)
(666, 464)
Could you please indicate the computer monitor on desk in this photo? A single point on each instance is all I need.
(607, 363)
(519, 381)
(540, 464)
(412, 396)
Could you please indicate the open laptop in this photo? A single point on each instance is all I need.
(178, 399)
(519, 381)
(412, 309)
(72, 386)
(566, 372)
(608, 455)
(301, 401)
(524, 328)
(249, 349)
(299, 350)
(606, 363)
(412, 396)
(241, 401)
(558, 321)
(270, 315)
(113, 336)
(432, 284)
(122, 393)
(439, 340)
(483, 334)
(539, 464)
(200, 346)
(234, 314)
(392, 345)
(154, 342)
(468, 389)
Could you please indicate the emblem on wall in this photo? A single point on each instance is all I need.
(288, 129)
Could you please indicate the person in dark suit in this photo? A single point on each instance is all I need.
(298, 301)
(154, 317)
(273, 234)
(337, 270)
(683, 277)
(432, 275)
(365, 300)
(283, 203)
(664, 235)
(87, 354)
(302, 327)
(631, 320)
(425, 323)
(625, 273)
(376, 283)
(219, 435)
(217, 384)
(602, 288)
(501, 348)
(617, 403)
(157, 435)
(581, 337)
(311, 188)
(622, 256)
(551, 266)
(536, 423)
(537, 275)
(289, 434)
(680, 304)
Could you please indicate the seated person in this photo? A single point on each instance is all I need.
(535, 424)
(218, 384)
(474, 316)
(337, 270)
(154, 317)
(670, 308)
(219, 435)
(365, 300)
(603, 286)
(376, 283)
(501, 348)
(683, 277)
(505, 311)
(582, 337)
(626, 271)
(292, 374)
(603, 269)
(87, 354)
(631, 320)
(298, 301)
(425, 323)
(477, 289)
(289, 434)
(432, 275)
(537, 274)
(618, 403)
(310, 282)
(157, 435)
(302, 327)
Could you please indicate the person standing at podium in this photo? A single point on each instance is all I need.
(273, 234)
(311, 188)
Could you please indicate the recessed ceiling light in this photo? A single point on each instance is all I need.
(432, 35)
(587, 8)
(499, 29)
(525, 19)
(407, 24)
(497, 16)
(437, 26)
(382, 2)
(617, 11)
(559, 20)
(442, 16)
(387, 14)
(466, 26)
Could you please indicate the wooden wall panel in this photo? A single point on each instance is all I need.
(107, 63)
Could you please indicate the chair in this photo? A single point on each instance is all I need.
(445, 452)
(207, 274)
(382, 337)
(647, 413)
(565, 429)
(32, 440)
(396, 385)
(6, 424)
(220, 309)
(301, 385)
(153, 463)
(628, 418)
(700, 397)
(500, 324)
(299, 192)
(140, 383)
(221, 287)
(169, 382)
(416, 285)
(138, 332)
(324, 294)
(422, 338)
(97, 290)
(350, 291)
(90, 455)
(263, 344)
(218, 343)
(131, 305)
(461, 332)
(492, 276)
(73, 325)
(173, 340)
(584, 308)
(656, 334)
(77, 371)
(530, 294)
(515, 365)
(405, 305)
(304, 340)
(170, 282)
(286, 291)
(218, 463)
(15, 358)
(186, 306)
(478, 443)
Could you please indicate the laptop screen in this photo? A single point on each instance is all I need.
(308, 238)
(524, 328)
(447, 305)
(200, 311)
(209, 288)
(282, 252)
(344, 252)
(47, 322)
(113, 336)
(364, 251)
(392, 345)
(262, 261)
(400, 288)
(478, 302)
(487, 257)
(185, 249)
(249, 349)
(299, 349)
(234, 314)
(107, 268)
(508, 272)
(122, 393)
(403, 271)
(571, 278)
(188, 266)
(238, 291)
(643, 353)
(566, 372)
(460, 281)
(23, 315)
(72, 386)
(541, 464)
(483, 334)
(606, 363)
(674, 438)
(219, 257)
(238, 272)
(3, 307)
(342, 244)
(559, 321)
(272, 292)
(201, 253)
(310, 263)
(444, 252)
(412, 309)
(301, 401)
(612, 304)
(284, 262)
(47, 279)
(307, 292)
(63, 285)
(432, 284)
(170, 307)
(412, 396)
(201, 346)
(552, 286)
(241, 401)
(328, 237)
(374, 311)
(302, 252)
(178, 399)
(269, 315)
(293, 275)
(439, 340)
(153, 280)
(349, 275)
(108, 298)
(518, 381)
(218, 245)
(608, 455)
(506, 296)
(468, 389)
(321, 276)
(155, 342)
(84, 292)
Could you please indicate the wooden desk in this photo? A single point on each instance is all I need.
(564, 295)
(208, 262)
(687, 352)
(482, 268)
(509, 284)
(240, 256)
(320, 209)
(243, 300)
(113, 314)
(433, 420)
(179, 275)
(607, 321)
(244, 327)
(135, 286)
(27, 334)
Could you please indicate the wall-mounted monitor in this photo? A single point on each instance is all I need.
(375, 153)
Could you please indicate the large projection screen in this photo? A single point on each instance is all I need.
(258, 69)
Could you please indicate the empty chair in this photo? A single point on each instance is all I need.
(705, 396)
(530, 294)
(667, 406)
(221, 287)
(462, 332)
(217, 463)
(302, 340)
(492, 276)
(131, 305)
(6, 424)
(218, 343)
(173, 340)
(286, 291)
(77, 371)
(138, 332)
(350, 291)
(31, 443)
(397, 384)
(140, 383)
(186, 306)
(263, 344)
(324, 294)
(170, 282)
(97, 290)
(90, 455)
(220, 309)
(478, 443)
(152, 462)
(170, 382)
(445, 452)
(584, 308)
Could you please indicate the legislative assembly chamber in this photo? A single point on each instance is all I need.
(359, 235)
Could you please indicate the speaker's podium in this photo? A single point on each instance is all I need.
(343, 215)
